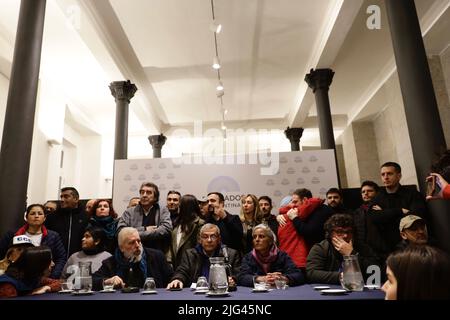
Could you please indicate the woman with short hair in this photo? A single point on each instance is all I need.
(267, 262)
(92, 250)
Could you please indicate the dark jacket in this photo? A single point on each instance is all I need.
(187, 242)
(70, 225)
(194, 261)
(157, 268)
(324, 263)
(312, 228)
(386, 235)
(283, 264)
(364, 230)
(50, 239)
(231, 231)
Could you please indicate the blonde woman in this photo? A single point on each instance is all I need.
(250, 216)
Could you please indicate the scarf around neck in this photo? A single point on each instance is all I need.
(266, 261)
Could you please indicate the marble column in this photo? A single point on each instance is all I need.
(17, 136)
(157, 142)
(122, 91)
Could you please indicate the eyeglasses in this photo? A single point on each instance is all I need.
(213, 237)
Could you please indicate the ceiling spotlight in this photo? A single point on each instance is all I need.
(215, 27)
(223, 127)
(219, 86)
(216, 63)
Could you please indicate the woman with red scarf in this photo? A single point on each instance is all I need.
(267, 262)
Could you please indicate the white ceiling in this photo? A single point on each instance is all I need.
(266, 48)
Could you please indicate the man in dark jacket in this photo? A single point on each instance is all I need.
(230, 225)
(132, 264)
(195, 261)
(69, 220)
(390, 205)
(325, 258)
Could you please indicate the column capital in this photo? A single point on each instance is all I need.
(319, 79)
(157, 141)
(122, 90)
(293, 133)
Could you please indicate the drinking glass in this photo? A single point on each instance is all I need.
(202, 284)
(107, 286)
(149, 284)
(259, 284)
(280, 284)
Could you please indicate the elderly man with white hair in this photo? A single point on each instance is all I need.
(132, 263)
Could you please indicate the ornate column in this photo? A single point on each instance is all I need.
(419, 100)
(157, 142)
(294, 135)
(17, 137)
(122, 91)
(319, 81)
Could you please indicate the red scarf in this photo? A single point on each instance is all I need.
(266, 261)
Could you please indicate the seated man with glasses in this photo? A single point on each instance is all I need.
(195, 262)
(325, 258)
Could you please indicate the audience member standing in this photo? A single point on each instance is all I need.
(265, 205)
(173, 205)
(152, 223)
(69, 220)
(185, 234)
(390, 205)
(103, 216)
(250, 216)
(230, 225)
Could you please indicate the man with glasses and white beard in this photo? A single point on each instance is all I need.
(132, 264)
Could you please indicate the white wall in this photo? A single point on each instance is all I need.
(391, 132)
(4, 84)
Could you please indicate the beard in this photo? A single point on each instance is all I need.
(133, 256)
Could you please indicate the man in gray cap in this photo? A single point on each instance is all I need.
(413, 230)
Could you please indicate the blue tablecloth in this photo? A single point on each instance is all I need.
(305, 292)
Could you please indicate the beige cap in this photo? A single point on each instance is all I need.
(407, 221)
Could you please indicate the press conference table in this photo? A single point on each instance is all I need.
(304, 292)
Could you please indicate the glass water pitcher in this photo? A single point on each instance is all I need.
(218, 280)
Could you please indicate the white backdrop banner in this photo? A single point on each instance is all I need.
(314, 170)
